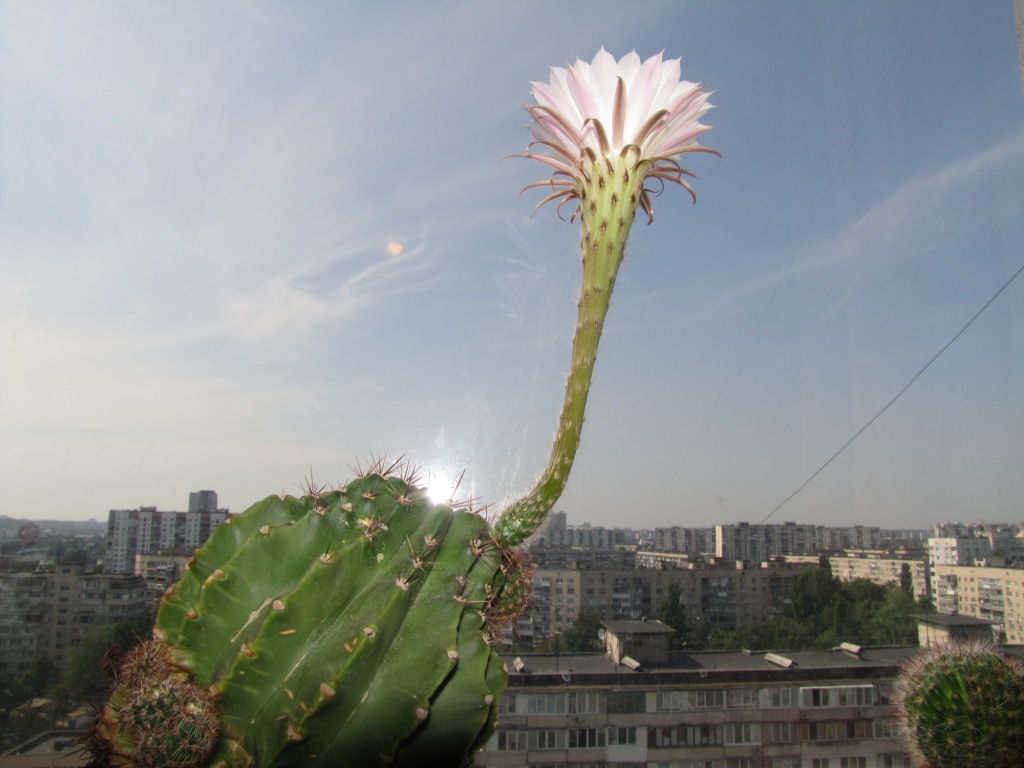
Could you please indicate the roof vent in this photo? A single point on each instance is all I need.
(781, 661)
(852, 649)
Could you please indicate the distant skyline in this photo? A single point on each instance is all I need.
(243, 243)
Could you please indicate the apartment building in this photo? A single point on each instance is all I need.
(824, 709)
(993, 594)
(692, 541)
(147, 530)
(160, 571)
(743, 541)
(726, 595)
(45, 613)
(756, 543)
(882, 568)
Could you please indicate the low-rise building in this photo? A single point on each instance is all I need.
(813, 709)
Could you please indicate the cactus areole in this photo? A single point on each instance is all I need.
(352, 627)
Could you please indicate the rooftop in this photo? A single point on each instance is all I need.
(547, 669)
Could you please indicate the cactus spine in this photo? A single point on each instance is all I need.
(961, 705)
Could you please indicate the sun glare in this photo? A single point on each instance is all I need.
(440, 488)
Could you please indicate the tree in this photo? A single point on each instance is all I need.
(88, 673)
(907, 579)
(581, 637)
(672, 613)
(814, 593)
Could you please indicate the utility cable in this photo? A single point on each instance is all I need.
(897, 396)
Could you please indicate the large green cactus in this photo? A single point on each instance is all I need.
(344, 628)
(961, 705)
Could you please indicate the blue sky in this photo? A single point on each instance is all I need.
(245, 242)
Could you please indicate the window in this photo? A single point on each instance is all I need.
(703, 735)
(626, 701)
(545, 704)
(507, 705)
(781, 733)
(837, 696)
(853, 762)
(671, 701)
(583, 738)
(741, 698)
(884, 729)
(621, 735)
(856, 696)
(713, 698)
(584, 702)
(742, 733)
(685, 736)
(512, 741)
(836, 730)
(782, 697)
(546, 738)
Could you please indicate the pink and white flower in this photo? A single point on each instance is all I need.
(640, 113)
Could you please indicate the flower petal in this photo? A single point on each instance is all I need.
(639, 111)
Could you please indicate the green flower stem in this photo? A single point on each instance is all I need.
(608, 196)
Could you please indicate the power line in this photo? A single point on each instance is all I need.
(896, 397)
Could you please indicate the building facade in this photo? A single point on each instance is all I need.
(708, 710)
(993, 594)
(883, 569)
(147, 530)
(725, 595)
(43, 614)
(756, 543)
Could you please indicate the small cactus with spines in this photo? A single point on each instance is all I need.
(352, 627)
(157, 717)
(961, 705)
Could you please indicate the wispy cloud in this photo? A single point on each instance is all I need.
(295, 301)
(918, 215)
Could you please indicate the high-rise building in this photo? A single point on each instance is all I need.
(202, 501)
(760, 542)
(147, 530)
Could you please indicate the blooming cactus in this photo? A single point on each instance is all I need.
(352, 627)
